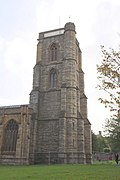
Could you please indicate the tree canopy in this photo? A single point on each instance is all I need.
(99, 143)
(109, 79)
(112, 130)
(109, 82)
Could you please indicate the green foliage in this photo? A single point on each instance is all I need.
(98, 143)
(112, 130)
(61, 172)
(94, 143)
(106, 150)
(109, 82)
(109, 78)
(101, 143)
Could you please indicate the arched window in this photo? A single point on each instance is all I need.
(10, 137)
(53, 78)
(54, 52)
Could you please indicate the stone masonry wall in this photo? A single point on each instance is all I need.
(22, 115)
(61, 111)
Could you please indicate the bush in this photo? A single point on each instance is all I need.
(106, 150)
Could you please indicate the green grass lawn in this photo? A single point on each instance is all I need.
(60, 172)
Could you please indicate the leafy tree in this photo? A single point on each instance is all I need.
(102, 143)
(106, 150)
(109, 78)
(99, 143)
(109, 82)
(94, 143)
(112, 130)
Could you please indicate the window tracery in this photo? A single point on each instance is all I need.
(54, 52)
(10, 137)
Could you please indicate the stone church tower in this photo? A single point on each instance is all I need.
(53, 127)
(62, 130)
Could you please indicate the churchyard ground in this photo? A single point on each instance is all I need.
(98, 171)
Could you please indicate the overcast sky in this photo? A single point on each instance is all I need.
(97, 23)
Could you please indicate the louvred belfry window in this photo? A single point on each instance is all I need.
(54, 52)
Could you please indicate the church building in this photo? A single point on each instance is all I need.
(53, 128)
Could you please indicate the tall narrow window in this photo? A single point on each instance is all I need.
(73, 143)
(54, 52)
(10, 137)
(53, 78)
(73, 124)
